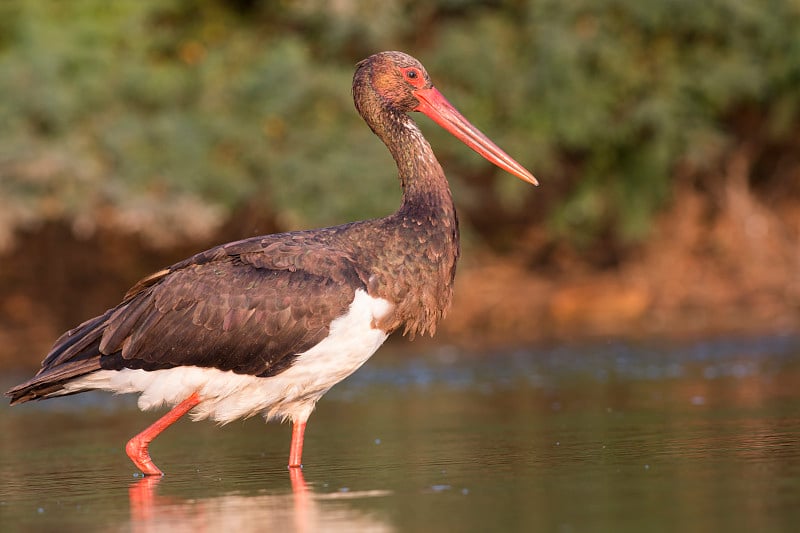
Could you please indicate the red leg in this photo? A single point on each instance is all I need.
(296, 451)
(137, 446)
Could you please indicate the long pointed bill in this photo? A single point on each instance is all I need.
(436, 106)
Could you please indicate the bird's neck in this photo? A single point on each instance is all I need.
(418, 275)
(421, 176)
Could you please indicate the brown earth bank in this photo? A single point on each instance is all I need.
(731, 266)
(727, 268)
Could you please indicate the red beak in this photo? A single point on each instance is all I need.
(436, 106)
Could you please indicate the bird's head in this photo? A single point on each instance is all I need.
(402, 84)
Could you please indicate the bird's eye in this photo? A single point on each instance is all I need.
(413, 75)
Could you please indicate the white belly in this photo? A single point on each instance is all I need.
(227, 396)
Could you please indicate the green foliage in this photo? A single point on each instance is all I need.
(114, 113)
(629, 90)
(137, 106)
(605, 99)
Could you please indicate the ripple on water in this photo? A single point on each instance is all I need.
(701, 436)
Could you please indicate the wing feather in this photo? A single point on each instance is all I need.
(216, 324)
(249, 306)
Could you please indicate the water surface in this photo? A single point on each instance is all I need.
(702, 436)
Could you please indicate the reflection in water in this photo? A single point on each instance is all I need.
(610, 437)
(301, 511)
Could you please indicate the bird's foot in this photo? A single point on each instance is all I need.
(138, 453)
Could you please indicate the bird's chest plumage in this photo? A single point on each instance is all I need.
(413, 267)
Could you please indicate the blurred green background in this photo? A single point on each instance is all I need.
(152, 128)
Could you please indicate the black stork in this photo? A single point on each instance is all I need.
(269, 324)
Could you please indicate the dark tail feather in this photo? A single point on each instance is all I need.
(51, 383)
(76, 353)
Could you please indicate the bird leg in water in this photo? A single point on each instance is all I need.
(296, 451)
(137, 446)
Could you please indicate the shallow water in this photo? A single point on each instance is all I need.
(610, 437)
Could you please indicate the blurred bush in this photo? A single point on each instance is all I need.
(165, 117)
